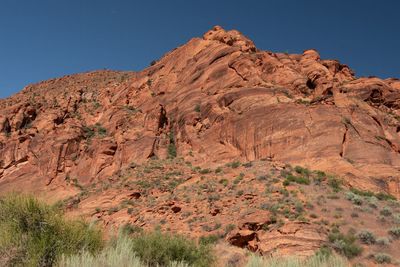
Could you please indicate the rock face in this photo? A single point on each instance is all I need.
(214, 99)
(299, 238)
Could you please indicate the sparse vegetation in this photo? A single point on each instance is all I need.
(234, 164)
(157, 249)
(171, 146)
(319, 260)
(395, 232)
(382, 258)
(344, 243)
(366, 237)
(35, 234)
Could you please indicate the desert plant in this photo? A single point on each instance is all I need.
(366, 237)
(395, 232)
(382, 258)
(383, 241)
(386, 211)
(234, 164)
(355, 199)
(171, 146)
(344, 243)
(119, 253)
(335, 184)
(36, 234)
(318, 260)
(157, 248)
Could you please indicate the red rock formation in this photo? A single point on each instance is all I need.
(216, 98)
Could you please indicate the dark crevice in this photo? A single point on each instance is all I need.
(310, 84)
(344, 141)
(162, 124)
(377, 121)
(375, 96)
(162, 120)
(240, 75)
(223, 54)
(392, 146)
(7, 127)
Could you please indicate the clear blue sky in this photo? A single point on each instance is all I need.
(42, 39)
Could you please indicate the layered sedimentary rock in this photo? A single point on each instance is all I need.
(215, 99)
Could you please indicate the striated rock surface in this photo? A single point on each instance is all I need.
(215, 99)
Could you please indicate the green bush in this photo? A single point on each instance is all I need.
(234, 164)
(386, 211)
(118, 253)
(302, 171)
(395, 232)
(157, 248)
(366, 237)
(380, 196)
(171, 149)
(296, 179)
(35, 234)
(209, 239)
(344, 244)
(335, 184)
(382, 258)
(383, 241)
(384, 196)
(356, 199)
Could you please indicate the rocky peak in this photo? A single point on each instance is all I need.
(232, 38)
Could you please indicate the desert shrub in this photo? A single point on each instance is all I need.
(318, 260)
(157, 248)
(171, 149)
(120, 253)
(362, 193)
(224, 182)
(384, 196)
(355, 199)
(335, 184)
(209, 239)
(296, 179)
(383, 241)
(344, 244)
(88, 132)
(234, 164)
(218, 170)
(395, 232)
(205, 171)
(128, 229)
(247, 164)
(366, 237)
(382, 258)
(386, 211)
(373, 202)
(302, 171)
(396, 218)
(35, 234)
(101, 131)
(380, 196)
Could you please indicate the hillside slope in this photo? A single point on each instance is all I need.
(219, 98)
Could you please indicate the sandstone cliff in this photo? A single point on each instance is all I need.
(216, 98)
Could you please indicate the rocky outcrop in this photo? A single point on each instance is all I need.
(214, 99)
(299, 238)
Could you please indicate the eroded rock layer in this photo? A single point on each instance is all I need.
(214, 99)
